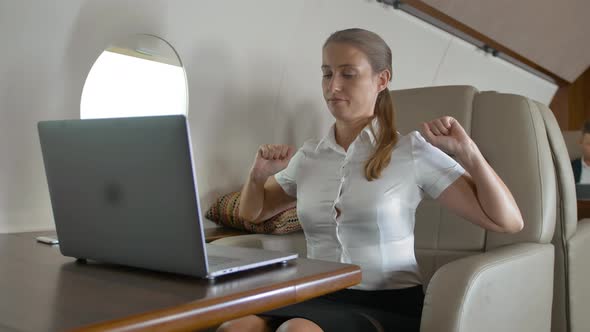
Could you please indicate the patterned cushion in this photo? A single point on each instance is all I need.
(225, 212)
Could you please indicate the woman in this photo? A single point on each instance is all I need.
(357, 190)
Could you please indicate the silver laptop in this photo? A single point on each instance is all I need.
(124, 191)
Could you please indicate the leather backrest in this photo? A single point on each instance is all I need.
(510, 131)
(440, 236)
(510, 134)
(566, 218)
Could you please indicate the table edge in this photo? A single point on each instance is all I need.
(210, 312)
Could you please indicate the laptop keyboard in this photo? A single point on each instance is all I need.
(219, 260)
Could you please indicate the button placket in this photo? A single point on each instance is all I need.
(342, 181)
(337, 211)
(336, 204)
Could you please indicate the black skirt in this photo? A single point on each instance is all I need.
(358, 310)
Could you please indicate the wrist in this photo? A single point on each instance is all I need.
(256, 178)
(470, 156)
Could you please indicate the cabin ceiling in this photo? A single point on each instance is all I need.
(553, 34)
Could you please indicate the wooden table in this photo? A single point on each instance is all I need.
(45, 291)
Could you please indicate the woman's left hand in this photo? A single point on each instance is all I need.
(447, 134)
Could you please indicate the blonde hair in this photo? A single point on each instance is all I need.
(379, 56)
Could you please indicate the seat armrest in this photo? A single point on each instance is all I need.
(292, 242)
(578, 276)
(506, 289)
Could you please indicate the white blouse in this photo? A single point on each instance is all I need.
(375, 226)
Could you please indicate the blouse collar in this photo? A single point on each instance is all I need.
(329, 140)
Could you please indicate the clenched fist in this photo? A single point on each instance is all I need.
(447, 134)
(270, 159)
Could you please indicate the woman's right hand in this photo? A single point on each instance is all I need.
(270, 159)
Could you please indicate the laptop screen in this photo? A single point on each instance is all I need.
(123, 191)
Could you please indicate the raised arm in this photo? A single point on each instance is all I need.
(262, 197)
(479, 196)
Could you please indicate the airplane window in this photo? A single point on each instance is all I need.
(138, 76)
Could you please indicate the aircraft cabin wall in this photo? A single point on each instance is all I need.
(253, 72)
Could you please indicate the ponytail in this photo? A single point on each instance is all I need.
(386, 137)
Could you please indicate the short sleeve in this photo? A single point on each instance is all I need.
(435, 170)
(287, 178)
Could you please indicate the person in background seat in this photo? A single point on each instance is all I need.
(581, 166)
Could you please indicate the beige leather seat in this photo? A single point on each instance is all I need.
(571, 303)
(475, 280)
